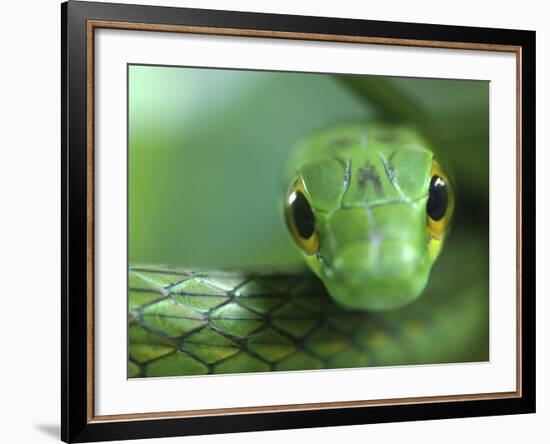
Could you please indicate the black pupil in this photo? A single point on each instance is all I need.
(438, 198)
(304, 220)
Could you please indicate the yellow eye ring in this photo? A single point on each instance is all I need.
(441, 202)
(300, 218)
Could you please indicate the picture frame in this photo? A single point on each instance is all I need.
(80, 182)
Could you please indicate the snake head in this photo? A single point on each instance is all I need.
(370, 218)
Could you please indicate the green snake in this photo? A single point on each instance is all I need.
(369, 206)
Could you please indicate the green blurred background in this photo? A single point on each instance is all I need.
(207, 152)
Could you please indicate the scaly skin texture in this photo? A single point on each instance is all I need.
(367, 185)
(192, 323)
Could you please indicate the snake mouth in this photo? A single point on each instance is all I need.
(370, 277)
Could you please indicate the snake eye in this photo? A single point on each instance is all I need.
(440, 204)
(300, 219)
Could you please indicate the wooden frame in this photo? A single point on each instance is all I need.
(79, 21)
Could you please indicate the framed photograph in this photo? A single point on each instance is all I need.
(275, 221)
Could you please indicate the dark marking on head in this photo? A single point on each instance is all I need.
(347, 175)
(346, 165)
(388, 168)
(385, 137)
(390, 163)
(368, 174)
(341, 142)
